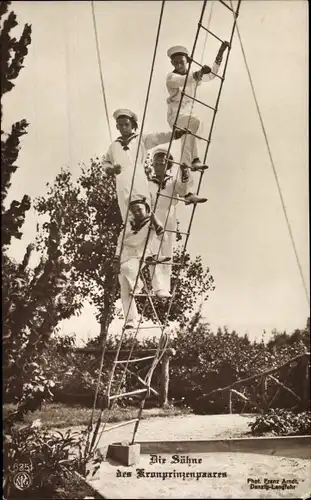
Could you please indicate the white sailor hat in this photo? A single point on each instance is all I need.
(177, 49)
(140, 201)
(125, 112)
(163, 151)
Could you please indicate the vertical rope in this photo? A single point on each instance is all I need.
(159, 357)
(125, 223)
(273, 167)
(100, 68)
(133, 178)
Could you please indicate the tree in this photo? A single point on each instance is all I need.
(205, 361)
(13, 52)
(189, 282)
(34, 300)
(89, 222)
(301, 336)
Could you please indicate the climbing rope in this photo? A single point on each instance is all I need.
(159, 354)
(110, 136)
(100, 68)
(147, 239)
(132, 184)
(125, 224)
(208, 143)
(199, 308)
(159, 357)
(273, 166)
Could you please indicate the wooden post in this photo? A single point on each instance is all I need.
(165, 377)
(230, 401)
(263, 392)
(245, 403)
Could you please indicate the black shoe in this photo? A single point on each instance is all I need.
(198, 166)
(194, 198)
(129, 326)
(153, 260)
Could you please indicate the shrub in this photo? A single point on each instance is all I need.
(282, 422)
(48, 458)
(76, 373)
(206, 361)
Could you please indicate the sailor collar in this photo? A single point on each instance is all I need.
(125, 141)
(178, 73)
(162, 183)
(137, 227)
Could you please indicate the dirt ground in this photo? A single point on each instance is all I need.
(184, 427)
(214, 475)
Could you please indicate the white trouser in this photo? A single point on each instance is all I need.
(189, 143)
(127, 279)
(166, 251)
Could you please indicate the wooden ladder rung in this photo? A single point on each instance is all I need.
(210, 32)
(228, 6)
(200, 102)
(122, 424)
(192, 133)
(126, 394)
(133, 360)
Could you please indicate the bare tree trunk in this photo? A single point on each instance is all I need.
(104, 325)
(165, 377)
(106, 317)
(263, 392)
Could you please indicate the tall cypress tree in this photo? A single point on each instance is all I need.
(13, 52)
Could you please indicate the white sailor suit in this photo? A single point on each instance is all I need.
(132, 251)
(174, 84)
(123, 152)
(165, 211)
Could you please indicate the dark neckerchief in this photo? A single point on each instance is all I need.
(137, 227)
(177, 73)
(196, 75)
(125, 141)
(162, 183)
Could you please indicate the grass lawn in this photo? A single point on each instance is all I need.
(58, 415)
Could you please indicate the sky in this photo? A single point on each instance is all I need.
(240, 232)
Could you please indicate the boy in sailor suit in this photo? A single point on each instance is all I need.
(174, 83)
(128, 259)
(165, 210)
(121, 156)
